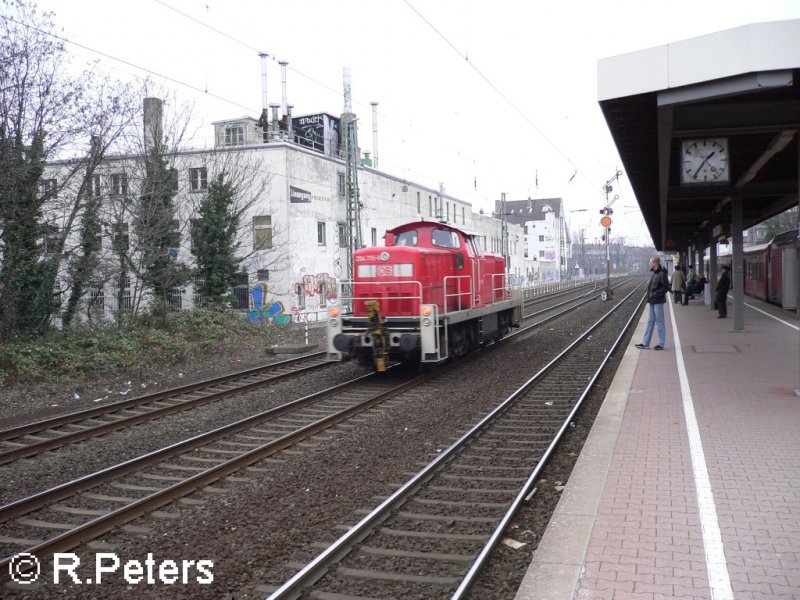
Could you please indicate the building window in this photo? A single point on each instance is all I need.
(197, 292)
(47, 187)
(263, 274)
(463, 218)
(119, 184)
(430, 206)
(123, 292)
(262, 232)
(320, 234)
(241, 293)
(541, 238)
(174, 237)
(447, 209)
(342, 235)
(52, 239)
(374, 237)
(419, 204)
(175, 298)
(198, 179)
(541, 253)
(94, 186)
(340, 184)
(121, 238)
(234, 135)
(96, 299)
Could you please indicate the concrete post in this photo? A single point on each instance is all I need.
(737, 266)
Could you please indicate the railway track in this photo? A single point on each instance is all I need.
(432, 536)
(62, 517)
(34, 438)
(80, 510)
(41, 436)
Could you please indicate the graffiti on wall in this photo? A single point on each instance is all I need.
(316, 290)
(263, 311)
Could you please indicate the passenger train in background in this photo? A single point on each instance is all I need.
(429, 294)
(770, 270)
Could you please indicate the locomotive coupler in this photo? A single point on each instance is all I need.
(379, 345)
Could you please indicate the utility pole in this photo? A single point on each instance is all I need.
(351, 177)
(605, 222)
(504, 231)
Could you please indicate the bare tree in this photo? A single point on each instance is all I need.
(40, 110)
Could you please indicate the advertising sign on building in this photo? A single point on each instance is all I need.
(297, 195)
(319, 132)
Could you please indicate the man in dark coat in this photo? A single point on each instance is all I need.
(723, 285)
(657, 290)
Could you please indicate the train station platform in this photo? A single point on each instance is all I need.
(689, 483)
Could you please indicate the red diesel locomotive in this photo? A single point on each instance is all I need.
(428, 295)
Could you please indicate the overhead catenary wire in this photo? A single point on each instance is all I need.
(500, 93)
(125, 62)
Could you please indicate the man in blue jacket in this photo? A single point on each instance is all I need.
(656, 296)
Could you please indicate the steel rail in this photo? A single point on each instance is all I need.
(125, 514)
(128, 421)
(491, 543)
(294, 587)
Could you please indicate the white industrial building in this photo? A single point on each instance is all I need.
(293, 229)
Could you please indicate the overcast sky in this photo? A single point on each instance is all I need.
(484, 97)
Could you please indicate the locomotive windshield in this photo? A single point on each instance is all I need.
(445, 238)
(406, 238)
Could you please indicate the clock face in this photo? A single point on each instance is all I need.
(705, 161)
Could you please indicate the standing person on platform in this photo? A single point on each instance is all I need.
(723, 285)
(656, 296)
(678, 283)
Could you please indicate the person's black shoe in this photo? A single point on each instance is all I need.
(658, 348)
(641, 346)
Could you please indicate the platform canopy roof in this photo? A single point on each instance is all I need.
(705, 120)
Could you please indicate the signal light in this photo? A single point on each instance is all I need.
(333, 312)
(427, 311)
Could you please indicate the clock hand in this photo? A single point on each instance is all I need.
(705, 160)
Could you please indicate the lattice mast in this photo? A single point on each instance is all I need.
(350, 130)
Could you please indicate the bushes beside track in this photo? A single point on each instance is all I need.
(97, 349)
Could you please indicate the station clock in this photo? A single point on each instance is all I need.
(704, 161)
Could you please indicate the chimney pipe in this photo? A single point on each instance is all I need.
(264, 120)
(276, 124)
(283, 64)
(289, 130)
(374, 106)
(264, 104)
(348, 93)
(152, 124)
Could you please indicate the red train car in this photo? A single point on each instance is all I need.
(770, 270)
(429, 294)
(756, 270)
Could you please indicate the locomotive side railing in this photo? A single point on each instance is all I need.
(501, 286)
(462, 296)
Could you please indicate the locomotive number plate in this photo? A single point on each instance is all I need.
(385, 270)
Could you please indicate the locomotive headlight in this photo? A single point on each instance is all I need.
(333, 323)
(427, 311)
(426, 322)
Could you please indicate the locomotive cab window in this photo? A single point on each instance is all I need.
(407, 238)
(445, 238)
